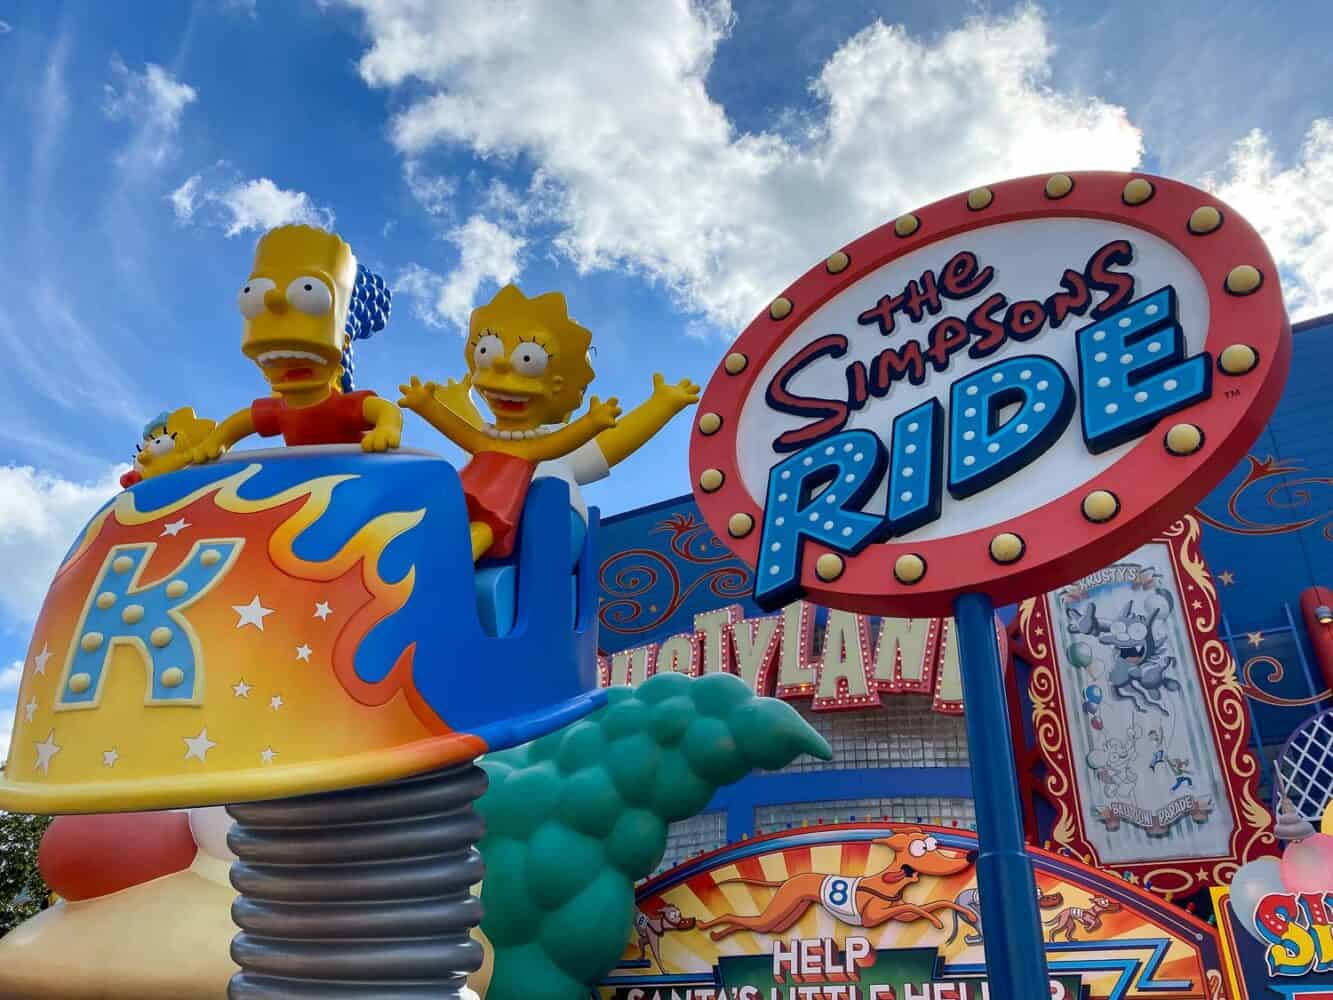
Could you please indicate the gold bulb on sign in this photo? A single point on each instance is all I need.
(909, 568)
(740, 525)
(1238, 359)
(1244, 279)
(1100, 506)
(1059, 185)
(1006, 547)
(829, 567)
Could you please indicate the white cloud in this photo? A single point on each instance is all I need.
(185, 198)
(432, 192)
(10, 677)
(6, 730)
(52, 110)
(240, 206)
(154, 101)
(639, 168)
(1292, 207)
(40, 516)
(487, 255)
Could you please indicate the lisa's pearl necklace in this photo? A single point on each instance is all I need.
(490, 430)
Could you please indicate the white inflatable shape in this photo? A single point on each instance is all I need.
(1251, 883)
(209, 826)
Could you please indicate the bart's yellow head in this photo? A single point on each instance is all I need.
(295, 307)
(528, 359)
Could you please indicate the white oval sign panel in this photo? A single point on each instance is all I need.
(1001, 392)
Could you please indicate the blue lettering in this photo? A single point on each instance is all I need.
(1132, 371)
(982, 449)
(914, 471)
(817, 494)
(148, 619)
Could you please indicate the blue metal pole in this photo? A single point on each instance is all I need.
(1015, 956)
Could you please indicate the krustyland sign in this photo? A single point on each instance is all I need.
(1002, 392)
(856, 661)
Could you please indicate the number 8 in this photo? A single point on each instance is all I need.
(837, 892)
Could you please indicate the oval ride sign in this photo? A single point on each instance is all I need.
(1001, 392)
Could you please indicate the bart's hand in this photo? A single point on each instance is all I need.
(210, 448)
(381, 438)
(684, 393)
(416, 393)
(605, 414)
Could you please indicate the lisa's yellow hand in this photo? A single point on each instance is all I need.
(381, 439)
(417, 394)
(606, 414)
(684, 393)
(456, 395)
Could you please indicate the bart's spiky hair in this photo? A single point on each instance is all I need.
(543, 312)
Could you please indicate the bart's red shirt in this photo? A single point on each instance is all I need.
(335, 420)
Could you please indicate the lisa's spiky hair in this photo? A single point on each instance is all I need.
(511, 310)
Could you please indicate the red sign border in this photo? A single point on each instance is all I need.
(1033, 634)
(1060, 543)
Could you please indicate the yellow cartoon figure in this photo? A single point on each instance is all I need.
(529, 362)
(169, 439)
(594, 460)
(305, 303)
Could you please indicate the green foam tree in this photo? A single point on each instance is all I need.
(575, 819)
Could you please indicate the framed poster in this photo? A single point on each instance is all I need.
(1140, 722)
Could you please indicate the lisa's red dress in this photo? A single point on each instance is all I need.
(496, 484)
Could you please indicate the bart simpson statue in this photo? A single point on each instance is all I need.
(529, 362)
(304, 304)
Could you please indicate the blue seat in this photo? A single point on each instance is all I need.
(497, 583)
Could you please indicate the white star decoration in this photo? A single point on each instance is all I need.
(275, 702)
(109, 757)
(303, 653)
(30, 708)
(241, 689)
(46, 750)
(198, 745)
(253, 613)
(41, 658)
(175, 527)
(322, 610)
(267, 755)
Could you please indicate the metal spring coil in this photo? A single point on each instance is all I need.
(359, 893)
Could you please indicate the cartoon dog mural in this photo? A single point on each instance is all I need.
(865, 901)
(969, 912)
(1068, 920)
(651, 930)
(1140, 665)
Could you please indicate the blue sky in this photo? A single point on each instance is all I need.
(667, 165)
